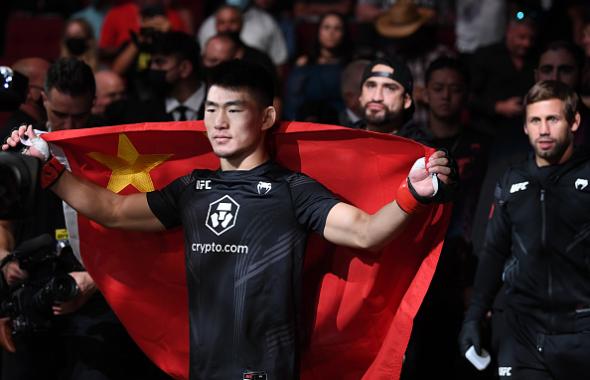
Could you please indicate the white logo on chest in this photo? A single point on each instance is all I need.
(222, 215)
(263, 187)
(203, 184)
(505, 371)
(518, 187)
(581, 183)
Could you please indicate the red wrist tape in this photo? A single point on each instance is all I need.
(50, 173)
(406, 201)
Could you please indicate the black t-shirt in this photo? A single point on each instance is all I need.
(245, 236)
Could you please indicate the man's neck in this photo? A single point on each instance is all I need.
(243, 163)
(391, 128)
(443, 128)
(246, 160)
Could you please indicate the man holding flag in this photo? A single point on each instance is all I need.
(245, 228)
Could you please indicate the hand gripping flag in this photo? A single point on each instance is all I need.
(358, 307)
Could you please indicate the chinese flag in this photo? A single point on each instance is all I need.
(358, 306)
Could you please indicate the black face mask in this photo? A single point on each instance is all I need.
(157, 81)
(76, 45)
(235, 36)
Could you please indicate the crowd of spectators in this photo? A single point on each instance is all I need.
(469, 65)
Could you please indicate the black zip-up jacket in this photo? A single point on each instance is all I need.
(538, 243)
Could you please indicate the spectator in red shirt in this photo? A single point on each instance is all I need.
(123, 21)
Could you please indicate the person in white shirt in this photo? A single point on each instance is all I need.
(256, 29)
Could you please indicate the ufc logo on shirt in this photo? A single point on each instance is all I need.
(505, 371)
(518, 187)
(203, 184)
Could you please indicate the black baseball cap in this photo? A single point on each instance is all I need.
(401, 72)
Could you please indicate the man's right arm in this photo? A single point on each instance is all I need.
(488, 277)
(130, 212)
(496, 249)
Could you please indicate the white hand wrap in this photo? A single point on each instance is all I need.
(421, 164)
(39, 144)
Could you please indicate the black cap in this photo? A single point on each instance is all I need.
(401, 72)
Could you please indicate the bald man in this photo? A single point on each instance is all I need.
(110, 87)
(255, 27)
(219, 48)
(31, 111)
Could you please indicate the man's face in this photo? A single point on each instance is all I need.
(558, 65)
(228, 20)
(383, 100)
(445, 93)
(218, 50)
(65, 111)
(168, 63)
(234, 122)
(520, 38)
(109, 88)
(549, 132)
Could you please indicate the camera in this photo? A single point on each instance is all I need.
(18, 185)
(29, 305)
(18, 174)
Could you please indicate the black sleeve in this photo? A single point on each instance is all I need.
(312, 202)
(488, 277)
(479, 79)
(165, 203)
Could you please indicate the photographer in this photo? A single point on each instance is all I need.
(31, 110)
(86, 340)
(127, 33)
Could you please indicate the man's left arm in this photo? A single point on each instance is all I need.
(349, 226)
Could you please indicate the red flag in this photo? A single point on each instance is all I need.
(358, 306)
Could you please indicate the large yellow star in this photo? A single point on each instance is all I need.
(129, 167)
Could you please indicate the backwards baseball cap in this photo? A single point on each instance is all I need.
(401, 72)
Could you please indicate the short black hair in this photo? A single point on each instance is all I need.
(180, 45)
(571, 48)
(446, 62)
(70, 76)
(239, 74)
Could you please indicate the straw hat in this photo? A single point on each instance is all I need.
(403, 19)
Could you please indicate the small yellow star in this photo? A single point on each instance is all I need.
(129, 167)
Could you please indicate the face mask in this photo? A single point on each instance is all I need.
(235, 36)
(241, 4)
(76, 45)
(157, 81)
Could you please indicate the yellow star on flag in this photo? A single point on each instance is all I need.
(129, 167)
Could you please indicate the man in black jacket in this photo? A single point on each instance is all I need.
(536, 243)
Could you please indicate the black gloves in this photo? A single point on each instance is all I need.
(448, 191)
(470, 335)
